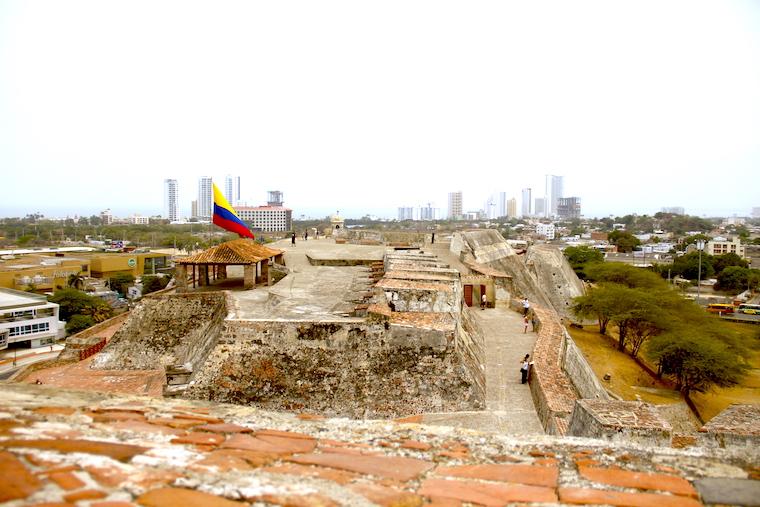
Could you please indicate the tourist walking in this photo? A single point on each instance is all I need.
(526, 306)
(524, 368)
(293, 239)
(483, 301)
(525, 324)
(533, 322)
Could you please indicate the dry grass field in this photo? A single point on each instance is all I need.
(631, 382)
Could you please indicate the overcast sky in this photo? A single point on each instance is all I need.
(367, 106)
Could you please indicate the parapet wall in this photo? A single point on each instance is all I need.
(165, 331)
(358, 369)
(553, 392)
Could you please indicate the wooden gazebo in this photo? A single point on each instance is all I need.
(212, 264)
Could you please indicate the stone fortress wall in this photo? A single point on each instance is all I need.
(415, 351)
(567, 395)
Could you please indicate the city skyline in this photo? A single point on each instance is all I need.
(338, 115)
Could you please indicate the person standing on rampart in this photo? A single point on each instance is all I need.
(526, 306)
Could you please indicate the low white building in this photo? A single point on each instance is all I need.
(545, 230)
(28, 317)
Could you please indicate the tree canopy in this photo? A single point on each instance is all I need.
(624, 241)
(580, 256)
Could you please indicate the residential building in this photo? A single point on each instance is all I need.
(720, 246)
(406, 213)
(673, 210)
(26, 317)
(512, 208)
(540, 207)
(569, 207)
(526, 202)
(205, 198)
(274, 217)
(428, 212)
(138, 220)
(455, 205)
(106, 218)
(171, 200)
(232, 189)
(194, 209)
(553, 193)
(545, 230)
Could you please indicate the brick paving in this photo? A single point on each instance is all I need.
(77, 448)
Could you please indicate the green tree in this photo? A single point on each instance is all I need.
(721, 262)
(623, 274)
(153, 283)
(74, 302)
(687, 266)
(738, 279)
(694, 362)
(76, 281)
(624, 241)
(79, 323)
(120, 282)
(580, 256)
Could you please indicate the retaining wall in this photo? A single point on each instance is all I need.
(359, 369)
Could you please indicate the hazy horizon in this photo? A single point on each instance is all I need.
(366, 107)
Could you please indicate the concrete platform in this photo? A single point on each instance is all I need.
(312, 292)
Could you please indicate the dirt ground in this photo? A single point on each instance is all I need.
(628, 380)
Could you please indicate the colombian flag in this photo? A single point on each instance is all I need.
(226, 218)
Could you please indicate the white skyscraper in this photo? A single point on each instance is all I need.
(205, 198)
(455, 205)
(405, 213)
(526, 202)
(171, 200)
(232, 189)
(496, 205)
(552, 194)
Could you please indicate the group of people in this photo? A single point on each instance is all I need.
(305, 236)
(529, 317)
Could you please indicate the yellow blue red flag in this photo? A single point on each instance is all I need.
(226, 218)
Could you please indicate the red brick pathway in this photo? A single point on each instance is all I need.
(66, 448)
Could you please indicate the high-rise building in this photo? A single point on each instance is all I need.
(496, 205)
(553, 193)
(540, 207)
(455, 205)
(171, 200)
(232, 189)
(512, 208)
(756, 212)
(274, 198)
(205, 198)
(405, 213)
(427, 212)
(194, 208)
(526, 202)
(569, 207)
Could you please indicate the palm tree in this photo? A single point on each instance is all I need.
(76, 281)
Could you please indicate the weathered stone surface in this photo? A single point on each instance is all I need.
(484, 493)
(729, 491)
(620, 420)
